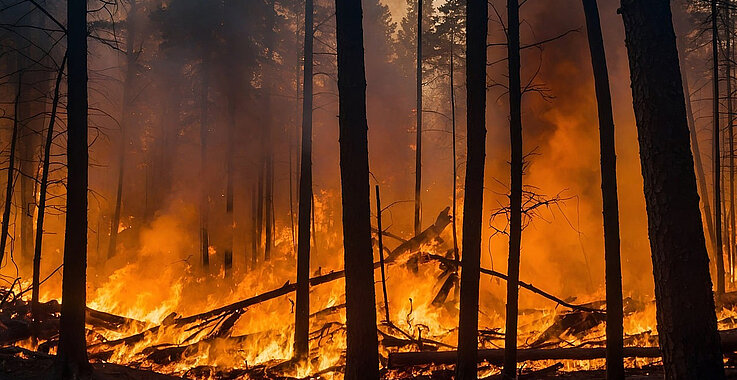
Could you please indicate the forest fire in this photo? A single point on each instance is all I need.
(367, 189)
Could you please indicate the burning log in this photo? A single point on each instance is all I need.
(426, 236)
(496, 356)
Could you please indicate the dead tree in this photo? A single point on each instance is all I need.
(418, 106)
(476, 30)
(610, 203)
(204, 189)
(362, 356)
(302, 309)
(130, 62)
(42, 195)
(689, 340)
(515, 198)
(71, 358)
(11, 171)
(730, 134)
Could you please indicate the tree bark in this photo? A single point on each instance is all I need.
(610, 203)
(476, 31)
(204, 189)
(515, 199)
(730, 137)
(302, 309)
(71, 358)
(685, 304)
(362, 357)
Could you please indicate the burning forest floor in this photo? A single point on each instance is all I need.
(251, 337)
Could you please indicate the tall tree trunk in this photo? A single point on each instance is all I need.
(362, 356)
(130, 59)
(696, 151)
(418, 150)
(515, 198)
(689, 340)
(730, 133)
(11, 170)
(468, 319)
(716, 154)
(71, 357)
(454, 196)
(42, 198)
(204, 189)
(302, 310)
(610, 203)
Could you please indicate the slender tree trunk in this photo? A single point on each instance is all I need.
(35, 312)
(71, 357)
(255, 231)
(302, 309)
(260, 200)
(380, 239)
(418, 151)
(362, 356)
(11, 170)
(269, 206)
(124, 120)
(697, 152)
(689, 340)
(716, 154)
(515, 199)
(204, 190)
(454, 196)
(610, 203)
(468, 319)
(730, 132)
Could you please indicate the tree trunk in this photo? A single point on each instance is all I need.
(610, 203)
(476, 18)
(515, 199)
(362, 357)
(730, 136)
(716, 154)
(11, 170)
(71, 358)
(204, 188)
(418, 106)
(302, 309)
(230, 173)
(689, 340)
(42, 197)
(130, 58)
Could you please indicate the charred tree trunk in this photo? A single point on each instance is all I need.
(362, 357)
(42, 197)
(730, 137)
(230, 172)
(515, 198)
(688, 340)
(124, 120)
(204, 188)
(476, 30)
(614, 315)
(71, 358)
(418, 105)
(454, 196)
(11, 171)
(302, 309)
(716, 154)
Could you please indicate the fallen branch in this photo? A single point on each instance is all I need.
(496, 356)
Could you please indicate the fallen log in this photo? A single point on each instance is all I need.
(496, 356)
(426, 236)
